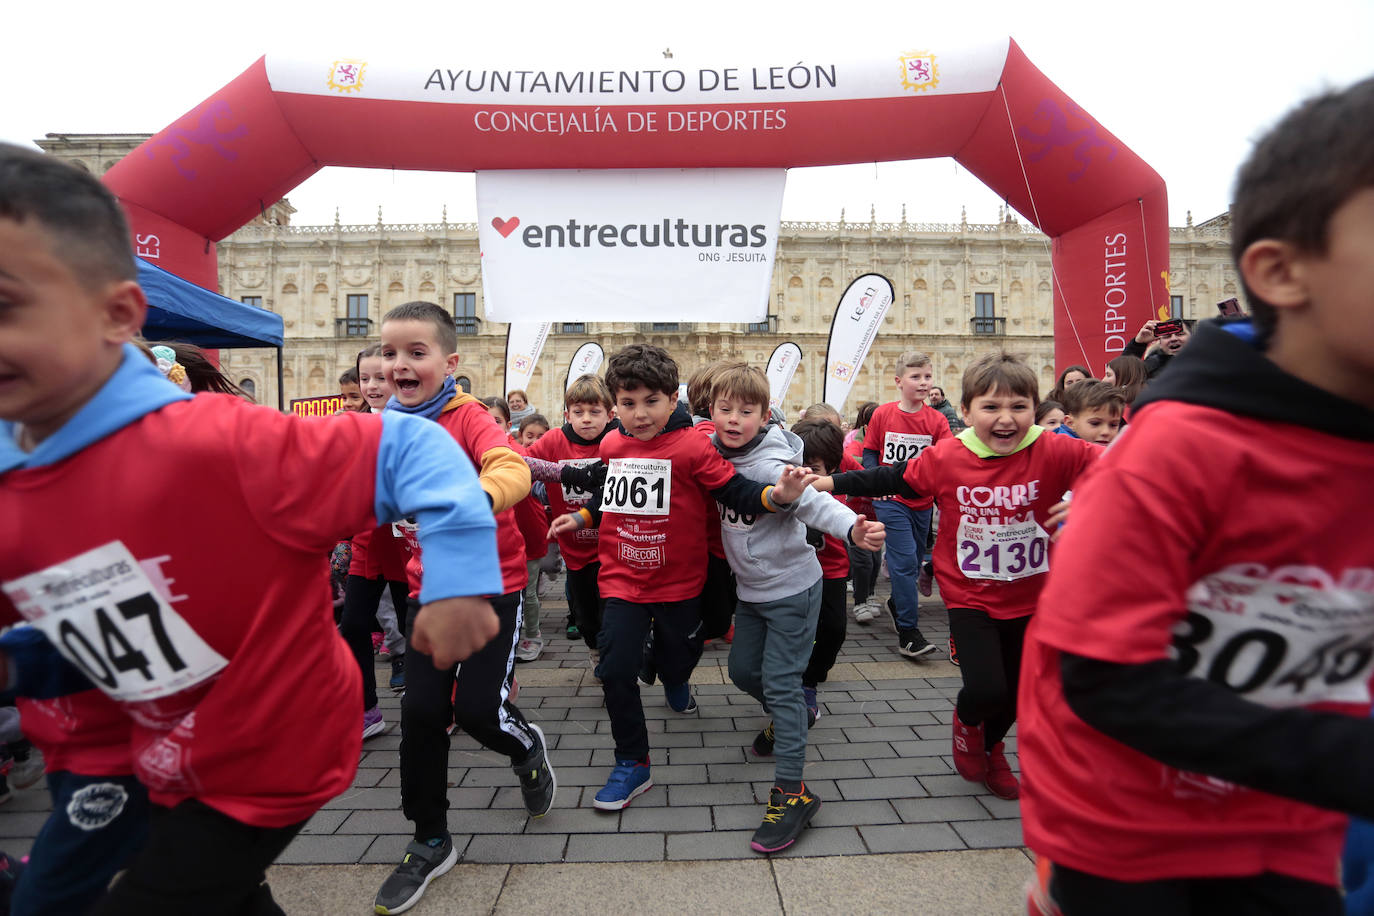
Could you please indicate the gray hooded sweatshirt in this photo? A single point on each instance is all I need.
(768, 551)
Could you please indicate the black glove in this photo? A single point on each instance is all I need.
(815, 537)
(589, 479)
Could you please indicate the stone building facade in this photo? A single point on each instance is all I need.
(961, 290)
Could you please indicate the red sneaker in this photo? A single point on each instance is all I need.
(1000, 781)
(969, 758)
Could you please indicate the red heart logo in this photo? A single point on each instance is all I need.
(505, 226)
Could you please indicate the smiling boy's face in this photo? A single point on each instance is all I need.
(1000, 419)
(60, 340)
(415, 364)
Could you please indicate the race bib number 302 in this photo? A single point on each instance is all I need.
(105, 616)
(1003, 552)
(638, 486)
(903, 446)
(1278, 643)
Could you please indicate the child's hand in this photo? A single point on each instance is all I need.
(868, 534)
(564, 524)
(825, 484)
(452, 629)
(792, 482)
(1059, 514)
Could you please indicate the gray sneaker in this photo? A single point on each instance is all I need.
(423, 862)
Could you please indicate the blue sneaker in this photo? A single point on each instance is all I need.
(680, 698)
(629, 779)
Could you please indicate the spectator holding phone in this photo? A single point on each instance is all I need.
(1170, 335)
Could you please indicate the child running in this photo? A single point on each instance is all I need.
(997, 485)
(899, 431)
(221, 675)
(779, 582)
(419, 347)
(587, 417)
(1198, 674)
(653, 548)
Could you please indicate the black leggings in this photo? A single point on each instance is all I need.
(480, 704)
(990, 662)
(584, 601)
(197, 860)
(718, 598)
(830, 631)
(1081, 894)
(361, 597)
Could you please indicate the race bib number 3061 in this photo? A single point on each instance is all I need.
(638, 486)
(104, 615)
(1278, 643)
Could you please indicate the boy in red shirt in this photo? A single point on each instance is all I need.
(899, 431)
(220, 674)
(653, 547)
(997, 484)
(1194, 722)
(419, 348)
(587, 411)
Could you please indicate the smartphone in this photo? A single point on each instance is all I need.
(1169, 328)
(1229, 307)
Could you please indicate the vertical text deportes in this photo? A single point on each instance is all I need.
(669, 233)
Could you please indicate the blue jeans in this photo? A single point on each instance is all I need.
(96, 826)
(908, 530)
(771, 649)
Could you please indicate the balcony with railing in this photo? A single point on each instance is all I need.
(988, 325)
(352, 327)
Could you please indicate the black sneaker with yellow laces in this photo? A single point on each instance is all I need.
(787, 816)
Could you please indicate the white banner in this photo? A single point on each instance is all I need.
(524, 342)
(612, 245)
(585, 361)
(856, 323)
(782, 366)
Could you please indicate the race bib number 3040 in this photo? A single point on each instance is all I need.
(104, 615)
(638, 486)
(1278, 643)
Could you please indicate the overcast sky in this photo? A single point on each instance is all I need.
(1186, 85)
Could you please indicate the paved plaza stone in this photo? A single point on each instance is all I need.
(879, 758)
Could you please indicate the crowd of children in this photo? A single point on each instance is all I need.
(1191, 661)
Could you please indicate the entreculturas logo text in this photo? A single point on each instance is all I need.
(668, 233)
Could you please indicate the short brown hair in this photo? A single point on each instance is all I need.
(519, 391)
(445, 335)
(999, 370)
(912, 359)
(1299, 175)
(821, 411)
(699, 386)
(588, 389)
(741, 381)
(1092, 395)
(821, 441)
(641, 366)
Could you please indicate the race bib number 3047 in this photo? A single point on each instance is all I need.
(1278, 643)
(104, 615)
(638, 486)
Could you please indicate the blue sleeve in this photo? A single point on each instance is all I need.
(870, 458)
(423, 474)
(36, 669)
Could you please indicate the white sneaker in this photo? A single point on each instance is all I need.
(865, 612)
(529, 649)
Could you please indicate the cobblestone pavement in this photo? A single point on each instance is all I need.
(878, 758)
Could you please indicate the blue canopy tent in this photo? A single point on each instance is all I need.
(181, 310)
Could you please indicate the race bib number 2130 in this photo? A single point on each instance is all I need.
(105, 616)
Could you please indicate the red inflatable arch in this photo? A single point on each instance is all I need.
(987, 106)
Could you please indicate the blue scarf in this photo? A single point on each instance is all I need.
(430, 409)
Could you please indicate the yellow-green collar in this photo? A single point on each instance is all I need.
(980, 448)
